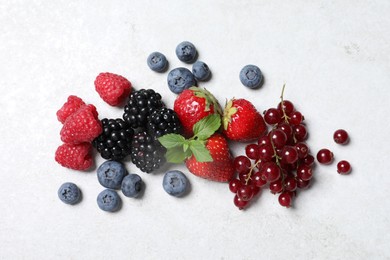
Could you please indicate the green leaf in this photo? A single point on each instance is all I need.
(207, 126)
(176, 155)
(171, 140)
(199, 150)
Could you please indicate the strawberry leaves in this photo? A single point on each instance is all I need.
(179, 148)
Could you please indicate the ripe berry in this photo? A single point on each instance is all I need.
(288, 107)
(271, 171)
(289, 154)
(344, 167)
(302, 184)
(140, 106)
(239, 203)
(112, 88)
(287, 129)
(276, 186)
(252, 151)
(272, 116)
(264, 140)
(324, 156)
(308, 160)
(163, 121)
(304, 172)
(266, 152)
(295, 118)
(302, 149)
(290, 184)
(285, 199)
(234, 185)
(258, 180)
(278, 138)
(251, 76)
(300, 132)
(242, 164)
(340, 136)
(157, 61)
(245, 192)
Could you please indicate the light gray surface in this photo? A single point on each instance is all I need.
(334, 58)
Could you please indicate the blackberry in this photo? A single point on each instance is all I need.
(164, 121)
(114, 143)
(140, 105)
(146, 152)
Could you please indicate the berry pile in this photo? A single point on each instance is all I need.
(280, 160)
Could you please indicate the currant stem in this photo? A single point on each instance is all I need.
(250, 172)
(285, 116)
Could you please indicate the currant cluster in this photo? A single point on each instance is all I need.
(280, 160)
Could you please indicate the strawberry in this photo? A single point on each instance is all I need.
(206, 154)
(192, 105)
(242, 122)
(112, 88)
(71, 105)
(81, 126)
(221, 168)
(75, 156)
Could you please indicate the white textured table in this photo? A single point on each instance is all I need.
(334, 58)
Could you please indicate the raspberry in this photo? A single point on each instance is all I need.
(82, 126)
(112, 88)
(74, 156)
(71, 106)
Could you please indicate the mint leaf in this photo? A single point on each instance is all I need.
(207, 126)
(171, 140)
(199, 150)
(176, 155)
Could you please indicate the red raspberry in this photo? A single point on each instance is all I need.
(82, 126)
(112, 88)
(71, 105)
(75, 156)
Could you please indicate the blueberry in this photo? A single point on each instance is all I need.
(200, 70)
(157, 61)
(132, 185)
(251, 76)
(109, 200)
(69, 193)
(175, 183)
(186, 52)
(180, 79)
(110, 174)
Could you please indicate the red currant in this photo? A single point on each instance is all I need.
(276, 186)
(289, 155)
(300, 132)
(239, 203)
(234, 185)
(302, 184)
(266, 152)
(278, 138)
(271, 171)
(264, 140)
(242, 164)
(245, 192)
(302, 149)
(304, 172)
(308, 160)
(288, 107)
(285, 199)
(252, 151)
(324, 156)
(295, 118)
(290, 184)
(272, 116)
(287, 129)
(343, 167)
(340, 136)
(258, 179)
